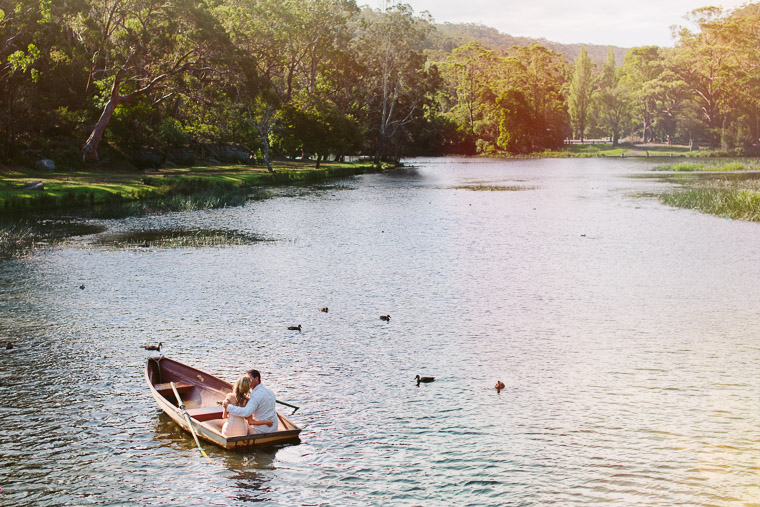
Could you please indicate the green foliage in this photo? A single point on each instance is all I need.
(581, 90)
(171, 133)
(327, 78)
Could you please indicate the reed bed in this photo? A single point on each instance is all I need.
(735, 199)
(711, 166)
(178, 239)
(16, 240)
(494, 188)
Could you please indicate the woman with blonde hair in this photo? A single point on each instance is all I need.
(238, 426)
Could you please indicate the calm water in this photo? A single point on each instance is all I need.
(626, 333)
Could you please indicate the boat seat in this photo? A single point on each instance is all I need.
(165, 389)
(205, 413)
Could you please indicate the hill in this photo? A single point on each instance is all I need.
(451, 35)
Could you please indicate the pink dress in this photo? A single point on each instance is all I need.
(235, 427)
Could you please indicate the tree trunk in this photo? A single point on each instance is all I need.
(90, 148)
(266, 154)
(379, 152)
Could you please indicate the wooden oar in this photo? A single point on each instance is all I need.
(288, 405)
(189, 422)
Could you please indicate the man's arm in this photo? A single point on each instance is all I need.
(245, 411)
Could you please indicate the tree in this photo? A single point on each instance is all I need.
(468, 72)
(517, 123)
(389, 44)
(315, 127)
(542, 76)
(139, 47)
(640, 76)
(581, 90)
(718, 63)
(612, 104)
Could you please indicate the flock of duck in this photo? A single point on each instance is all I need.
(387, 318)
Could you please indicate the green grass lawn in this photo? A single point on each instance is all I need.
(169, 189)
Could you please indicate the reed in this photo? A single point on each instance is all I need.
(179, 239)
(735, 199)
(16, 240)
(711, 166)
(494, 188)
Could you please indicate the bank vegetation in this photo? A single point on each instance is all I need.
(184, 82)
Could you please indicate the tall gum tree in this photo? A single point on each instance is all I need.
(466, 71)
(581, 89)
(138, 47)
(389, 43)
(640, 75)
(291, 45)
(611, 103)
(711, 62)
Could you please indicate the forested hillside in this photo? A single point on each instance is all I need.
(457, 34)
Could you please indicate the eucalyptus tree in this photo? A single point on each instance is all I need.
(19, 52)
(612, 104)
(398, 85)
(581, 90)
(139, 48)
(468, 72)
(641, 76)
(544, 76)
(290, 46)
(718, 62)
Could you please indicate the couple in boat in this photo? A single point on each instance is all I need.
(249, 408)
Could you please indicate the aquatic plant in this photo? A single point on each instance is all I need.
(735, 199)
(722, 166)
(16, 240)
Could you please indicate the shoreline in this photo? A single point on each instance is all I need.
(119, 193)
(78, 196)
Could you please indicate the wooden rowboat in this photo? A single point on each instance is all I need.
(200, 393)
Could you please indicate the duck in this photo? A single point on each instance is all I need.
(499, 386)
(153, 347)
(9, 346)
(386, 318)
(323, 309)
(295, 328)
(423, 379)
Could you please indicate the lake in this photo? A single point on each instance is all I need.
(625, 332)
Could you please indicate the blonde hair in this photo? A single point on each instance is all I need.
(242, 388)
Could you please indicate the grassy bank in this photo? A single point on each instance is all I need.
(113, 193)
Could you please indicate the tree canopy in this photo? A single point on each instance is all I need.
(327, 78)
